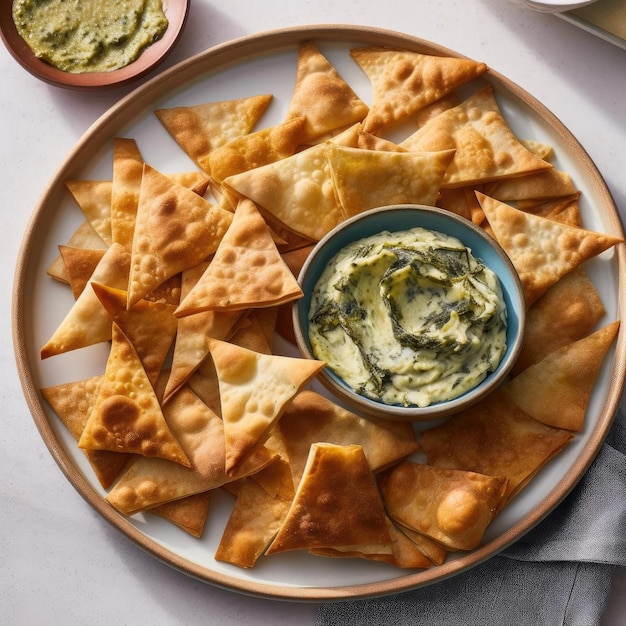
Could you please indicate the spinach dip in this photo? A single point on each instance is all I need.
(408, 318)
(80, 36)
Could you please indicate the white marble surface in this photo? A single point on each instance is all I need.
(60, 562)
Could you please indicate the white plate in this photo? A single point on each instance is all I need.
(248, 66)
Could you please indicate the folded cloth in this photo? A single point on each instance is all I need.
(559, 573)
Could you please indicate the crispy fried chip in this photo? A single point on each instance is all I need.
(80, 264)
(336, 505)
(189, 513)
(486, 147)
(94, 199)
(403, 82)
(453, 507)
(556, 390)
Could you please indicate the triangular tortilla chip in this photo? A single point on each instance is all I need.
(556, 390)
(150, 482)
(188, 513)
(486, 147)
(175, 229)
(336, 505)
(566, 312)
(254, 150)
(150, 326)
(88, 322)
(199, 129)
(544, 185)
(496, 438)
(127, 416)
(565, 210)
(80, 264)
(453, 507)
(322, 96)
(246, 270)
(311, 417)
(94, 199)
(125, 186)
(297, 191)
(541, 249)
(255, 389)
(73, 402)
(434, 551)
(365, 179)
(404, 81)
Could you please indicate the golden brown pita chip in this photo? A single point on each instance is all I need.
(175, 229)
(453, 507)
(542, 250)
(365, 179)
(188, 513)
(496, 438)
(311, 417)
(322, 96)
(556, 390)
(88, 322)
(254, 150)
(125, 187)
(199, 129)
(246, 271)
(94, 199)
(80, 264)
(434, 551)
(486, 147)
(297, 191)
(566, 312)
(336, 505)
(126, 416)
(403, 81)
(150, 326)
(73, 402)
(255, 389)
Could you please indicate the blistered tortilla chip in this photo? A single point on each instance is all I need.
(544, 185)
(198, 129)
(453, 507)
(557, 389)
(297, 191)
(542, 250)
(246, 270)
(80, 264)
(496, 438)
(434, 551)
(565, 210)
(175, 229)
(88, 322)
(322, 96)
(336, 505)
(94, 199)
(188, 513)
(403, 81)
(566, 312)
(255, 389)
(126, 416)
(312, 417)
(365, 179)
(486, 147)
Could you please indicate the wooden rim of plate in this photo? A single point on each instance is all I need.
(176, 12)
(191, 70)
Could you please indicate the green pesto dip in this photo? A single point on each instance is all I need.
(82, 36)
(408, 318)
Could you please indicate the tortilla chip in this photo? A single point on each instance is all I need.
(73, 402)
(403, 81)
(199, 129)
(255, 389)
(336, 505)
(565, 210)
(434, 551)
(88, 322)
(126, 416)
(311, 417)
(495, 438)
(545, 185)
(542, 250)
(566, 312)
(246, 271)
(297, 191)
(453, 507)
(175, 230)
(365, 179)
(322, 96)
(80, 264)
(188, 513)
(557, 389)
(486, 147)
(94, 199)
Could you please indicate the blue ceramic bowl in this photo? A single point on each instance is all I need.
(398, 218)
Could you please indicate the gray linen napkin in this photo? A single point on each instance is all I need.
(557, 574)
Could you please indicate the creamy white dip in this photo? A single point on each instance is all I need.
(408, 318)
